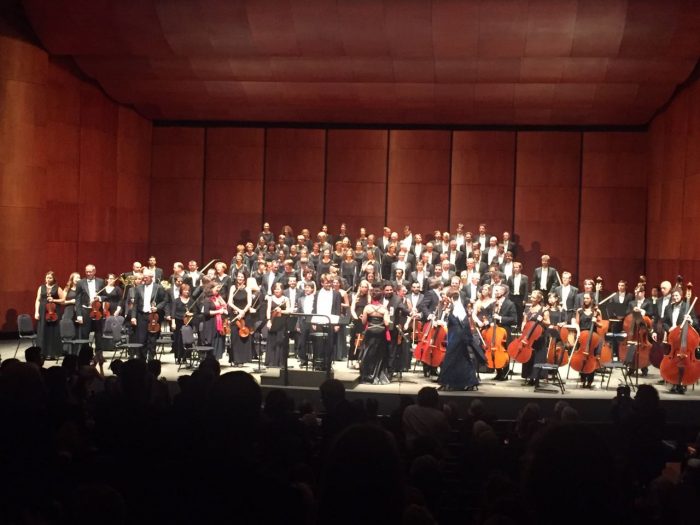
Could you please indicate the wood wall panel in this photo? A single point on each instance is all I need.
(356, 180)
(613, 206)
(419, 180)
(483, 168)
(177, 177)
(233, 189)
(294, 178)
(548, 168)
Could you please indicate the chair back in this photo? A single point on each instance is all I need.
(187, 335)
(25, 325)
(66, 329)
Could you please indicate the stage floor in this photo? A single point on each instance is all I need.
(505, 394)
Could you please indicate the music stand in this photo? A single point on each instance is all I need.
(328, 325)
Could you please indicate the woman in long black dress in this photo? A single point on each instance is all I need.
(458, 370)
(68, 301)
(586, 319)
(376, 358)
(47, 330)
(348, 269)
(180, 309)
(537, 314)
(359, 301)
(110, 297)
(214, 312)
(276, 327)
(388, 259)
(240, 300)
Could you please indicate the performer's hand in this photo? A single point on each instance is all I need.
(539, 318)
(79, 319)
(133, 321)
(36, 316)
(153, 309)
(655, 337)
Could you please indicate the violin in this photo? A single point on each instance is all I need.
(521, 349)
(680, 366)
(50, 315)
(153, 322)
(96, 309)
(243, 330)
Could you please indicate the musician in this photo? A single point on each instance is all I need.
(349, 268)
(447, 272)
(588, 287)
(480, 265)
(414, 299)
(266, 234)
(153, 266)
(324, 264)
(149, 297)
(418, 247)
(388, 259)
(674, 316)
(586, 319)
(643, 307)
(87, 291)
(277, 304)
(458, 369)
(457, 258)
(419, 277)
(181, 309)
(458, 237)
(482, 306)
(664, 301)
(509, 245)
(407, 240)
(240, 301)
(544, 276)
(507, 266)
(305, 305)
(505, 315)
(48, 335)
(536, 313)
(483, 238)
(617, 306)
(249, 255)
(518, 286)
(399, 279)
(136, 267)
(238, 265)
(393, 304)
(385, 241)
(327, 303)
(432, 256)
(491, 252)
(375, 316)
(400, 263)
(567, 294)
(194, 275)
(470, 292)
(359, 300)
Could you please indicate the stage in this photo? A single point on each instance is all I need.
(504, 398)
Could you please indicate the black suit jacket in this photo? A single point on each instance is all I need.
(551, 279)
(520, 294)
(82, 296)
(509, 315)
(429, 304)
(570, 305)
(158, 295)
(668, 316)
(423, 283)
(335, 307)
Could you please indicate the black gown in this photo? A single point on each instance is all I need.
(241, 347)
(586, 324)
(177, 311)
(276, 335)
(376, 355)
(356, 351)
(209, 335)
(539, 356)
(458, 369)
(48, 332)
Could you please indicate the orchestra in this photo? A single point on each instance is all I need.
(274, 288)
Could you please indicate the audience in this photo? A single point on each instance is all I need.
(78, 448)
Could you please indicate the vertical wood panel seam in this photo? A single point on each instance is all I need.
(204, 193)
(449, 183)
(515, 184)
(325, 174)
(580, 201)
(264, 177)
(386, 178)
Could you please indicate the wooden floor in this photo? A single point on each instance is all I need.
(506, 394)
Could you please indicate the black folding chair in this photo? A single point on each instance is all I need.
(69, 336)
(25, 327)
(197, 353)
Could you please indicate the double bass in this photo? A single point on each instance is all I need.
(680, 366)
(637, 327)
(433, 344)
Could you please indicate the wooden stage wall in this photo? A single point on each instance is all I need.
(74, 177)
(581, 197)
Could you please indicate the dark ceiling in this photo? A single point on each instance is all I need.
(512, 62)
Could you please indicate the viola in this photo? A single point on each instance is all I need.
(521, 349)
(153, 322)
(243, 330)
(106, 307)
(96, 309)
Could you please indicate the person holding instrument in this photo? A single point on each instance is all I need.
(502, 313)
(48, 336)
(86, 293)
(180, 309)
(586, 319)
(680, 314)
(359, 300)
(375, 318)
(149, 298)
(277, 305)
(536, 314)
(214, 313)
(240, 300)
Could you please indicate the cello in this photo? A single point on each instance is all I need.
(637, 327)
(521, 349)
(680, 366)
(494, 338)
(557, 353)
(584, 360)
(433, 345)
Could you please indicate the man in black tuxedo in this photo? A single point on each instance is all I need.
(86, 291)
(385, 241)
(305, 305)
(507, 266)
(617, 305)
(433, 256)
(664, 300)
(415, 297)
(419, 277)
(149, 297)
(470, 291)
(431, 299)
(456, 257)
(193, 274)
(518, 286)
(483, 238)
(509, 245)
(270, 278)
(544, 277)
(153, 266)
(327, 302)
(417, 247)
(567, 295)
